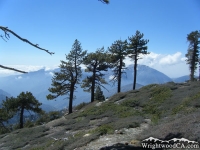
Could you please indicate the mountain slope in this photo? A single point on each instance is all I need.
(162, 111)
(39, 81)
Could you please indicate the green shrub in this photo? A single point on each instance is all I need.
(147, 87)
(54, 115)
(130, 103)
(188, 104)
(104, 129)
(160, 93)
(3, 130)
(117, 97)
(154, 107)
(28, 124)
(80, 106)
(42, 119)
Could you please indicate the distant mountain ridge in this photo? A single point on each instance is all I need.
(183, 79)
(39, 81)
(3, 95)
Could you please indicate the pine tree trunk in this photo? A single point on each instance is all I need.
(192, 74)
(193, 64)
(92, 89)
(93, 84)
(120, 76)
(71, 98)
(21, 117)
(135, 72)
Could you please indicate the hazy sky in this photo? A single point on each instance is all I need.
(55, 25)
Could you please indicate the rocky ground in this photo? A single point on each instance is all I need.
(123, 137)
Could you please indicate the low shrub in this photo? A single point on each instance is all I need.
(80, 106)
(28, 124)
(104, 129)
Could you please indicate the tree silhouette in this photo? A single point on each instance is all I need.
(95, 63)
(118, 51)
(193, 52)
(24, 101)
(63, 82)
(136, 46)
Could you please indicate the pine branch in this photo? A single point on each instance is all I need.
(4, 67)
(7, 36)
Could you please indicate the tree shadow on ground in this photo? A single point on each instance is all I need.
(173, 135)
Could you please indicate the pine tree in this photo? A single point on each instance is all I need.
(24, 101)
(95, 63)
(118, 52)
(98, 95)
(136, 46)
(193, 52)
(64, 82)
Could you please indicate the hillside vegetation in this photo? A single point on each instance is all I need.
(173, 109)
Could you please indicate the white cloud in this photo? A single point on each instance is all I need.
(171, 59)
(173, 65)
(49, 68)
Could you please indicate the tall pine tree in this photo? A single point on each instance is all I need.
(118, 51)
(193, 52)
(95, 63)
(136, 46)
(64, 82)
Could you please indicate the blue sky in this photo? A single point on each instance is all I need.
(55, 25)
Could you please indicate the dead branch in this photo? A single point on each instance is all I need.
(7, 36)
(4, 67)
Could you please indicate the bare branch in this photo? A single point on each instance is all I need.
(6, 30)
(3, 38)
(4, 67)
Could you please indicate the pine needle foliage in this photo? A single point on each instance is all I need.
(193, 52)
(136, 46)
(118, 52)
(64, 82)
(99, 94)
(24, 101)
(95, 63)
